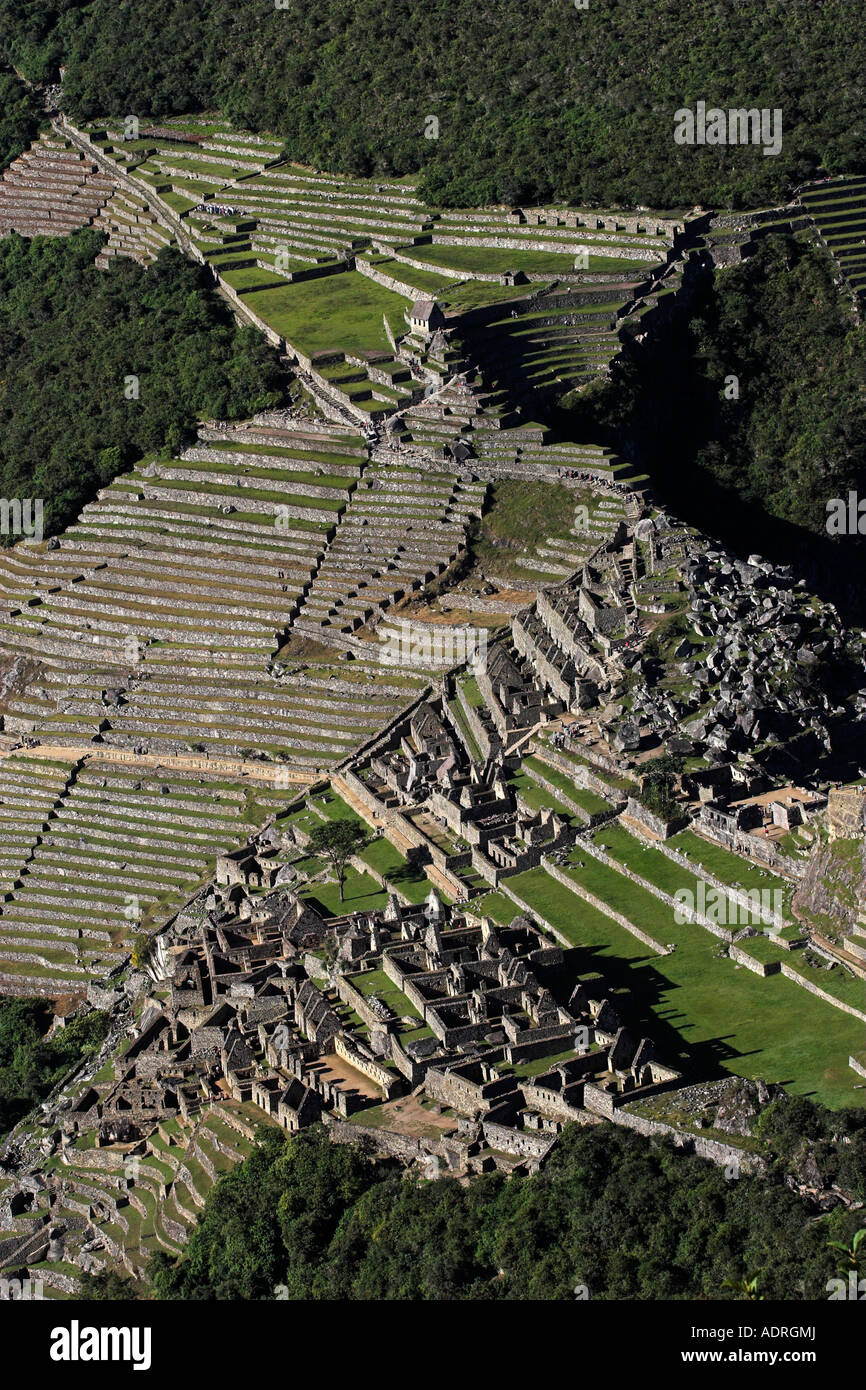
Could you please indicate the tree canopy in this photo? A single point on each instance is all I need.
(623, 1217)
(30, 1064)
(338, 840)
(756, 465)
(19, 118)
(99, 368)
(536, 100)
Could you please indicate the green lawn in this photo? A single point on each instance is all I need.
(496, 260)
(377, 982)
(592, 804)
(706, 1015)
(651, 864)
(498, 906)
(340, 312)
(423, 280)
(622, 784)
(537, 798)
(728, 867)
(361, 893)
(468, 736)
(335, 808)
(408, 879)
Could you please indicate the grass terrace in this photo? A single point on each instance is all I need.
(406, 878)
(376, 982)
(361, 893)
(519, 518)
(468, 737)
(341, 313)
(707, 1015)
(498, 906)
(587, 800)
(496, 260)
(727, 867)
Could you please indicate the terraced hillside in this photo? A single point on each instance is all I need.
(837, 207)
(152, 623)
(52, 190)
(125, 1203)
(93, 854)
(398, 532)
(331, 264)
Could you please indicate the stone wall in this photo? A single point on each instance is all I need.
(589, 818)
(379, 1075)
(699, 918)
(578, 889)
(767, 915)
(384, 1142)
(655, 824)
(581, 776)
(759, 967)
(387, 281)
(724, 1155)
(846, 812)
(753, 847)
(791, 974)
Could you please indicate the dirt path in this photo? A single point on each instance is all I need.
(284, 774)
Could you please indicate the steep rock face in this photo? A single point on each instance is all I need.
(740, 1103)
(834, 886)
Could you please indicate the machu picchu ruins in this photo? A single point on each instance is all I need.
(403, 761)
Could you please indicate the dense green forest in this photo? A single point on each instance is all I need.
(30, 1066)
(626, 1218)
(796, 434)
(19, 118)
(535, 99)
(73, 338)
(746, 405)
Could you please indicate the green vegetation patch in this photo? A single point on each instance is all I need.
(706, 1016)
(334, 313)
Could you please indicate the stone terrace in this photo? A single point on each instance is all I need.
(132, 229)
(400, 530)
(155, 619)
(100, 855)
(837, 208)
(51, 190)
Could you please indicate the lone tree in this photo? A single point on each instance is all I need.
(338, 840)
(659, 783)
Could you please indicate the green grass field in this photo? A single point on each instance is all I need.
(361, 893)
(336, 313)
(707, 1016)
(406, 878)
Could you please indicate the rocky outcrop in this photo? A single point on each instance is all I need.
(833, 886)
